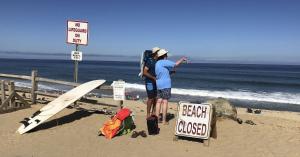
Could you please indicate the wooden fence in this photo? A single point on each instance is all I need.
(8, 103)
(14, 101)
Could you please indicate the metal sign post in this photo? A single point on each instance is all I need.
(76, 67)
(76, 56)
(77, 33)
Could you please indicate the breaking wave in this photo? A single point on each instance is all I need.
(274, 97)
(40, 86)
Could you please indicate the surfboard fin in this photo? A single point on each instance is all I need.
(25, 123)
(36, 113)
(26, 119)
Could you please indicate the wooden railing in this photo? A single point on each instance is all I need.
(34, 84)
(9, 103)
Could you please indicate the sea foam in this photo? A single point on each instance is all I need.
(275, 97)
(40, 86)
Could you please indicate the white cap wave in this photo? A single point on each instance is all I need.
(276, 97)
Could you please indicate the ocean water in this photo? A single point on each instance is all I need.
(274, 87)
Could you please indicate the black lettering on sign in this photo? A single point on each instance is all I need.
(189, 110)
(194, 128)
(180, 126)
(189, 127)
(199, 129)
(199, 111)
(204, 128)
(184, 110)
(193, 112)
(183, 129)
(204, 109)
(77, 24)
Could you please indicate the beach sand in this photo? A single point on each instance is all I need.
(74, 133)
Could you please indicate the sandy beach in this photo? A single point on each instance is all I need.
(64, 64)
(73, 132)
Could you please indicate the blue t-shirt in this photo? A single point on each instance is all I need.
(150, 64)
(162, 71)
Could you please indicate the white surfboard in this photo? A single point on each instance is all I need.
(57, 105)
(142, 64)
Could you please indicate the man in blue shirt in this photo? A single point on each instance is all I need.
(150, 81)
(163, 68)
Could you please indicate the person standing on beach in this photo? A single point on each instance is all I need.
(150, 81)
(163, 68)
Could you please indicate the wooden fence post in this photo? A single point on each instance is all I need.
(120, 103)
(34, 86)
(2, 91)
(11, 90)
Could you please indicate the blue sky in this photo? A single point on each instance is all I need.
(244, 30)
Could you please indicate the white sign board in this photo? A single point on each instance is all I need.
(194, 120)
(77, 32)
(119, 90)
(76, 55)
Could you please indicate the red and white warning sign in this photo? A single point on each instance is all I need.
(77, 32)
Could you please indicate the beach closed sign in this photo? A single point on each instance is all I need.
(194, 120)
(77, 32)
(119, 90)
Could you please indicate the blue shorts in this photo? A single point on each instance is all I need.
(164, 93)
(151, 90)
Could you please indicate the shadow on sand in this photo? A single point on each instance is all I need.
(169, 117)
(197, 140)
(80, 113)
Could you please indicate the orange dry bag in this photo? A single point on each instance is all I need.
(111, 127)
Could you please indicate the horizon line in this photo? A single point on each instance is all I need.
(137, 61)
